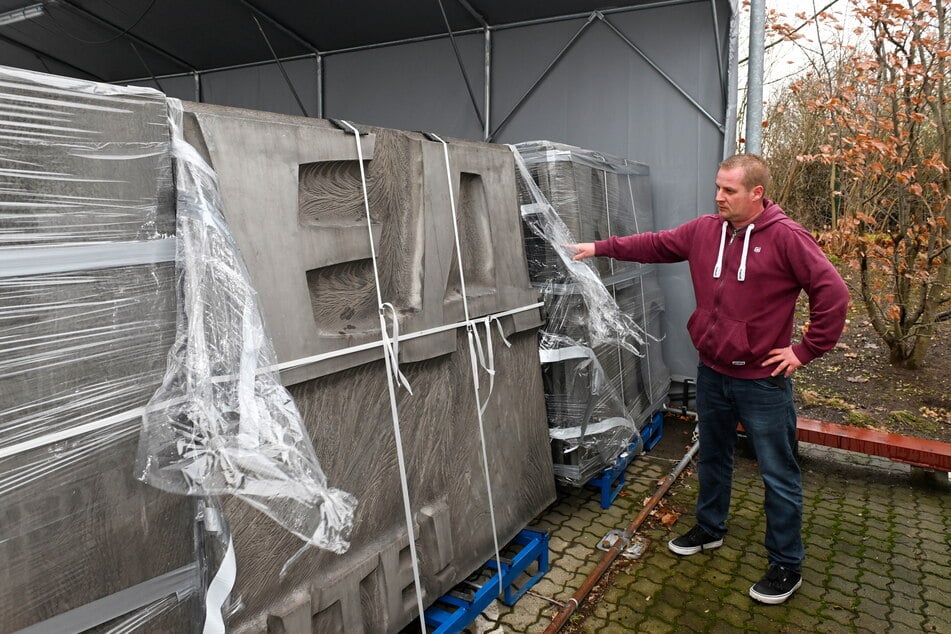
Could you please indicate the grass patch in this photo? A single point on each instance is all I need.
(811, 398)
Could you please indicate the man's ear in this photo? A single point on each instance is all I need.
(758, 192)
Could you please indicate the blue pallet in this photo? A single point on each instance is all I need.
(612, 479)
(452, 612)
(653, 431)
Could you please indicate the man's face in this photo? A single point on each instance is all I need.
(735, 203)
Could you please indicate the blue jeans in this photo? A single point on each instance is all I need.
(766, 410)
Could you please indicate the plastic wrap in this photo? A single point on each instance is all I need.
(222, 423)
(87, 315)
(603, 370)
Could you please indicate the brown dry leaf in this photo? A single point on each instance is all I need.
(668, 519)
(857, 379)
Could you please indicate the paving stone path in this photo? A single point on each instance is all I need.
(878, 544)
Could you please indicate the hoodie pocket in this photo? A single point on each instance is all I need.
(723, 340)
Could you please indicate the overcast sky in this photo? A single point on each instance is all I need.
(787, 59)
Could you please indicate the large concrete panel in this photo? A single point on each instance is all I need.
(292, 194)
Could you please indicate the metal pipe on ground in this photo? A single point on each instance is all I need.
(608, 558)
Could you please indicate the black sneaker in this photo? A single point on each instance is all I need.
(777, 586)
(695, 540)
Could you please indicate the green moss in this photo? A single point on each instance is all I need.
(913, 421)
(859, 418)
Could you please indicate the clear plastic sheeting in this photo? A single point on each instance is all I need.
(602, 365)
(588, 425)
(222, 423)
(556, 273)
(87, 316)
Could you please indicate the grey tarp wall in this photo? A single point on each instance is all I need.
(600, 94)
(654, 83)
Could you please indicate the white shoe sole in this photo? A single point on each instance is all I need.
(773, 599)
(693, 550)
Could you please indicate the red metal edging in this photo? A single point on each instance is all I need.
(920, 452)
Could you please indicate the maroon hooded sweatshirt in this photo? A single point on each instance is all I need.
(746, 284)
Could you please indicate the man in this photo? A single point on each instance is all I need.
(748, 264)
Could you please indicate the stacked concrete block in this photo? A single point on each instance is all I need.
(589, 397)
(87, 316)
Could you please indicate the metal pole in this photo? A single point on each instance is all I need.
(528, 93)
(462, 66)
(197, 77)
(754, 82)
(660, 71)
(425, 38)
(716, 39)
(487, 130)
(44, 56)
(732, 79)
(280, 66)
(146, 66)
(562, 617)
(125, 33)
(320, 86)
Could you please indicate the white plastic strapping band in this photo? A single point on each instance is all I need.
(390, 359)
(475, 347)
(567, 433)
(65, 258)
(133, 415)
(218, 591)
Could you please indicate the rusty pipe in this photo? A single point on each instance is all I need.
(608, 558)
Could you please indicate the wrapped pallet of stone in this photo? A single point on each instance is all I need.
(127, 319)
(87, 316)
(603, 370)
(358, 239)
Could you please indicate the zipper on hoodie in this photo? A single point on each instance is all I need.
(721, 281)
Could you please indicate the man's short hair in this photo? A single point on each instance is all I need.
(755, 169)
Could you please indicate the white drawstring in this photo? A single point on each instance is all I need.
(741, 272)
(719, 266)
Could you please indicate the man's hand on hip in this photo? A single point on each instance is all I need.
(786, 361)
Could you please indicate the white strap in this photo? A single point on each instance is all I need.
(294, 363)
(741, 272)
(489, 366)
(391, 346)
(44, 259)
(134, 415)
(391, 370)
(475, 348)
(218, 591)
(498, 323)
